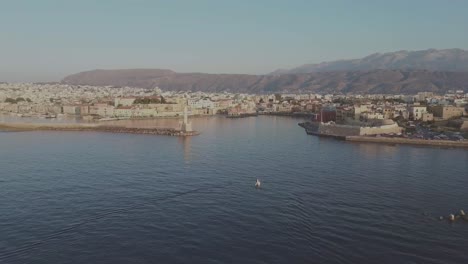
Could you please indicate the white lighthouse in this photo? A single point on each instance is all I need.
(186, 126)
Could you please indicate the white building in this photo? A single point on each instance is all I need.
(102, 110)
(416, 112)
(123, 111)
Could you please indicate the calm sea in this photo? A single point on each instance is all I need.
(86, 197)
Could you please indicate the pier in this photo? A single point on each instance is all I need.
(19, 127)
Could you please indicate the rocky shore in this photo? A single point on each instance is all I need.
(17, 127)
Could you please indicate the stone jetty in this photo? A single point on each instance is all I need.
(16, 127)
(409, 141)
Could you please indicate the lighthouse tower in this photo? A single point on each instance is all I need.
(186, 126)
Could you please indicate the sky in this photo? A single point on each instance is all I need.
(48, 39)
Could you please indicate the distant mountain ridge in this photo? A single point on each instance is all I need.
(362, 82)
(432, 59)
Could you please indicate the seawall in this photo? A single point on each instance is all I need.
(16, 127)
(409, 141)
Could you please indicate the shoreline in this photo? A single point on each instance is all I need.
(24, 127)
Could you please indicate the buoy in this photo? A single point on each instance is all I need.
(452, 217)
(441, 218)
(257, 183)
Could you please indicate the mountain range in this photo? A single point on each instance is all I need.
(431, 59)
(391, 73)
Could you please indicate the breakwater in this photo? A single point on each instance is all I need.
(17, 127)
(409, 141)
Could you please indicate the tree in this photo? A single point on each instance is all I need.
(10, 100)
(278, 97)
(146, 100)
(19, 99)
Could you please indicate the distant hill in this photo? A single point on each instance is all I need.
(373, 81)
(431, 59)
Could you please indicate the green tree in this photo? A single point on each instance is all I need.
(278, 97)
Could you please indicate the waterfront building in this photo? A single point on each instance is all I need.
(144, 112)
(447, 112)
(103, 110)
(84, 109)
(123, 111)
(71, 109)
(427, 117)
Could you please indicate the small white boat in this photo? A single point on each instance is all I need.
(452, 217)
(257, 184)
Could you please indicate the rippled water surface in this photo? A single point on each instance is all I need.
(85, 197)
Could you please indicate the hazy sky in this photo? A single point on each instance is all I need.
(44, 40)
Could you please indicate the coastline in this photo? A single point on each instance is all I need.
(23, 127)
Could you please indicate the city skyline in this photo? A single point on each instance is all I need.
(47, 40)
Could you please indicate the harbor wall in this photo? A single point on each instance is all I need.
(440, 143)
(346, 130)
(384, 129)
(338, 130)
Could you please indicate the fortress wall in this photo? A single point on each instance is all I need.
(339, 130)
(385, 129)
(345, 130)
